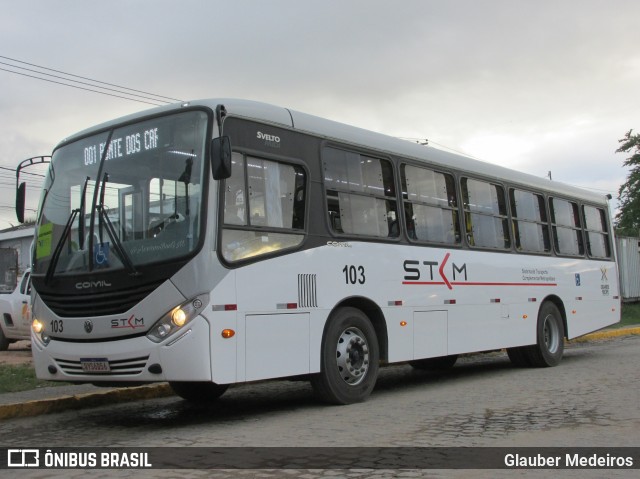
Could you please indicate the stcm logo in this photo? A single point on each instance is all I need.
(414, 275)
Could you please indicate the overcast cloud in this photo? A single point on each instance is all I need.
(534, 85)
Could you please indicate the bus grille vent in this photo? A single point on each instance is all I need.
(97, 304)
(307, 296)
(119, 367)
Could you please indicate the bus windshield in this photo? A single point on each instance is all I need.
(123, 198)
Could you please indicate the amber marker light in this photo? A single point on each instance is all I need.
(228, 333)
(524, 316)
(403, 323)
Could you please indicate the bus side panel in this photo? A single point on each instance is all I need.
(227, 354)
(597, 302)
(401, 342)
(590, 316)
(430, 332)
(277, 345)
(177, 356)
(224, 351)
(478, 328)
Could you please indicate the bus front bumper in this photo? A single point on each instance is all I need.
(184, 356)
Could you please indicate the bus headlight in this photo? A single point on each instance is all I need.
(39, 330)
(177, 318)
(38, 326)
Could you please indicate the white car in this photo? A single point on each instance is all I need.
(15, 313)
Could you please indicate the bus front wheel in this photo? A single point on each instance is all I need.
(198, 391)
(349, 358)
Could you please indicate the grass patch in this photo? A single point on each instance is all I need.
(630, 315)
(22, 377)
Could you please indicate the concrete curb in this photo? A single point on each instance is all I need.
(79, 401)
(99, 398)
(607, 334)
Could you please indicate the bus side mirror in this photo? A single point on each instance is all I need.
(221, 158)
(20, 197)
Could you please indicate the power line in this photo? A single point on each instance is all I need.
(158, 97)
(23, 172)
(80, 88)
(80, 82)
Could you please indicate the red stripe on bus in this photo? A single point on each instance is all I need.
(470, 283)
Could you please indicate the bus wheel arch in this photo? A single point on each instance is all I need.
(349, 356)
(563, 312)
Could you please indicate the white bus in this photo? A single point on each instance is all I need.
(226, 241)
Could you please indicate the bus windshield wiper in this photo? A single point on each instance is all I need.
(105, 222)
(63, 239)
(65, 233)
(82, 214)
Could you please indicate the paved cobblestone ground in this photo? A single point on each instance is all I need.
(591, 399)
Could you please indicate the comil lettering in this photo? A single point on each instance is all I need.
(93, 284)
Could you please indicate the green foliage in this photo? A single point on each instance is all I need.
(630, 314)
(628, 219)
(22, 377)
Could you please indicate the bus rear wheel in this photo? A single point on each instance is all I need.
(198, 391)
(349, 358)
(549, 347)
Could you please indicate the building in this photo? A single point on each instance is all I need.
(19, 239)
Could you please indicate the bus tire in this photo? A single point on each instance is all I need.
(442, 363)
(349, 358)
(198, 391)
(4, 342)
(518, 356)
(549, 347)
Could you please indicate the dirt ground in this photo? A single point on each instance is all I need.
(18, 353)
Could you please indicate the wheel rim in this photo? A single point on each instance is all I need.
(352, 356)
(551, 334)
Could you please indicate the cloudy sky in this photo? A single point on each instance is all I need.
(535, 85)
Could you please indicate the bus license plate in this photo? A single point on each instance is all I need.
(95, 365)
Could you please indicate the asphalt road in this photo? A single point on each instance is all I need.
(591, 399)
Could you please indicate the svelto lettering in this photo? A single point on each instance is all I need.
(267, 137)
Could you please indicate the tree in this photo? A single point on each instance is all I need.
(628, 219)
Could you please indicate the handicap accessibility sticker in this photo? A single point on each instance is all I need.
(101, 254)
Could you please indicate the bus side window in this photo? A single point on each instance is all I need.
(269, 215)
(485, 211)
(430, 205)
(596, 232)
(360, 192)
(530, 227)
(567, 229)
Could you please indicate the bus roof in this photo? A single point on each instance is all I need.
(332, 130)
